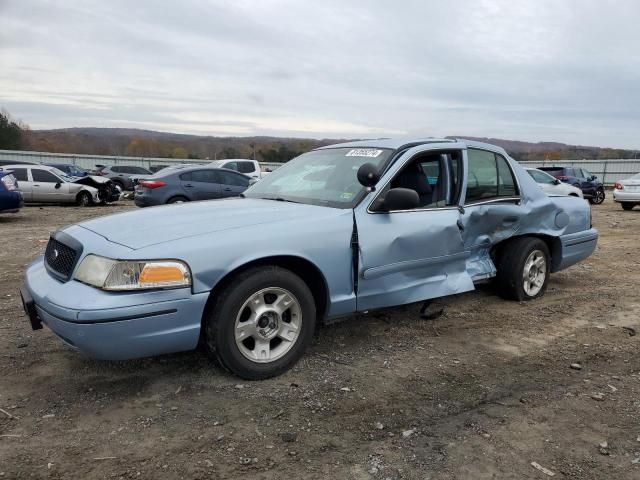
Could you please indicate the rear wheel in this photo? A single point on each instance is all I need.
(261, 323)
(523, 269)
(84, 199)
(598, 197)
(627, 205)
(178, 199)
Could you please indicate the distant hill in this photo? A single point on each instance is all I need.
(149, 143)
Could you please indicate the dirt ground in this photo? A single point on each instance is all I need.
(482, 392)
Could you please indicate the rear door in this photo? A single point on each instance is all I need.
(201, 184)
(413, 255)
(25, 185)
(492, 208)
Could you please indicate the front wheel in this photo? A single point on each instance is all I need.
(523, 269)
(628, 206)
(598, 197)
(84, 199)
(261, 323)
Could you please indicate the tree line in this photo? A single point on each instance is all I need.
(15, 135)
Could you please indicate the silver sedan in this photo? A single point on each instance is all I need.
(627, 192)
(42, 184)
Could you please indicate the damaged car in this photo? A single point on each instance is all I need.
(342, 229)
(45, 184)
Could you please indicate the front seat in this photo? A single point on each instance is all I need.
(413, 178)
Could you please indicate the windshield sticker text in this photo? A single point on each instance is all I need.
(364, 152)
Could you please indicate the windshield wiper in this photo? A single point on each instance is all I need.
(279, 199)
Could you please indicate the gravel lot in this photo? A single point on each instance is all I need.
(482, 392)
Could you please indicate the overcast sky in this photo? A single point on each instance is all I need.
(527, 70)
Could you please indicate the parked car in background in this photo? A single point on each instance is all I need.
(69, 169)
(178, 185)
(14, 162)
(123, 175)
(10, 197)
(43, 184)
(551, 185)
(248, 167)
(591, 187)
(341, 229)
(627, 192)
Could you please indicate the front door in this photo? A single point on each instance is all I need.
(413, 255)
(47, 187)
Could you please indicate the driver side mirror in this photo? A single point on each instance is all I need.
(592, 178)
(368, 175)
(557, 182)
(400, 199)
(58, 185)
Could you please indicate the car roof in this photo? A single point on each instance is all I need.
(404, 143)
(27, 165)
(176, 171)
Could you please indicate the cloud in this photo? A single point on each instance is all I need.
(543, 70)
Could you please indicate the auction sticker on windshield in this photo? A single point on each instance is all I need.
(364, 152)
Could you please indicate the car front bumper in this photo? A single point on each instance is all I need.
(109, 325)
(622, 196)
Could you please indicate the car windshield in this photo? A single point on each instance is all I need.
(61, 174)
(325, 177)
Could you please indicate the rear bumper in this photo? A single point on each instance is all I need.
(11, 202)
(146, 201)
(622, 196)
(136, 325)
(574, 247)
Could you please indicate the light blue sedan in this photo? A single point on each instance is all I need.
(342, 229)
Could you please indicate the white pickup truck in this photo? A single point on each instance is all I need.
(248, 167)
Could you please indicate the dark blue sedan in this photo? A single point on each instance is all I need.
(10, 197)
(178, 185)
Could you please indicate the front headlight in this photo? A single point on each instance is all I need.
(120, 275)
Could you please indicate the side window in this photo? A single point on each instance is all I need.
(228, 178)
(433, 176)
(231, 166)
(489, 177)
(204, 176)
(20, 174)
(116, 169)
(506, 182)
(246, 167)
(186, 177)
(43, 176)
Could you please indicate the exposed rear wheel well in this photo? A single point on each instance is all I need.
(301, 267)
(553, 244)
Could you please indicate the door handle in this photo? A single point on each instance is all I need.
(188, 185)
(460, 225)
(511, 219)
(227, 189)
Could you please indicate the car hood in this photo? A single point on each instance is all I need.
(149, 226)
(91, 180)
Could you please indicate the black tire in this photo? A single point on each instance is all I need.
(627, 205)
(220, 321)
(598, 197)
(510, 264)
(84, 199)
(119, 183)
(178, 199)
